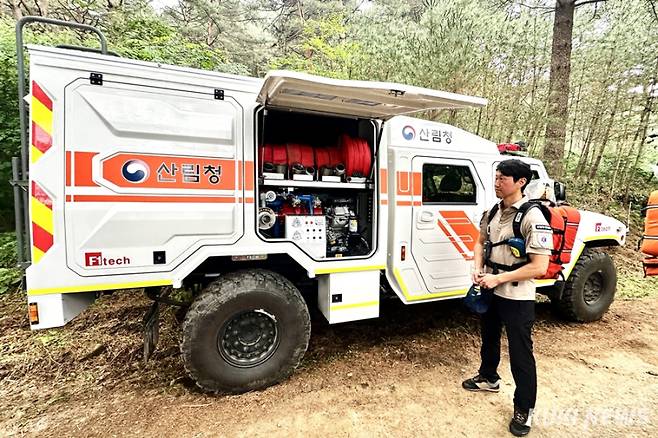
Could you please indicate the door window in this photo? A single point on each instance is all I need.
(448, 184)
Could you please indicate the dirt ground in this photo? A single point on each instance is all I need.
(398, 375)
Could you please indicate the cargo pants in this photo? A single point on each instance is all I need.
(518, 317)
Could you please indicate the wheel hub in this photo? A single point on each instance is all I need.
(593, 288)
(248, 338)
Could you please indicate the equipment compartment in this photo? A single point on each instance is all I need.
(316, 182)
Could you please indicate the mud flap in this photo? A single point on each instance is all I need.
(151, 330)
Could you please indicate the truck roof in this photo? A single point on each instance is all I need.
(288, 89)
(141, 68)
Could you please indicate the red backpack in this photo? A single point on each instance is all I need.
(649, 240)
(563, 220)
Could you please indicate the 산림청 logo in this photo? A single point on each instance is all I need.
(135, 171)
(408, 132)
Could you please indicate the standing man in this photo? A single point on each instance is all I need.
(511, 278)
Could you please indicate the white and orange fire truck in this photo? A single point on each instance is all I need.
(144, 175)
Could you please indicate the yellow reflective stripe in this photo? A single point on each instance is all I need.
(35, 154)
(42, 116)
(41, 215)
(546, 282)
(36, 254)
(353, 306)
(405, 292)
(602, 237)
(349, 269)
(573, 265)
(403, 286)
(95, 287)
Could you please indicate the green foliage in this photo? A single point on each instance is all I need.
(9, 124)
(146, 37)
(323, 49)
(9, 279)
(7, 250)
(9, 275)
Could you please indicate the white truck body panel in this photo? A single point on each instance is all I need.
(138, 181)
(349, 296)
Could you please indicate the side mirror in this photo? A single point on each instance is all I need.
(560, 191)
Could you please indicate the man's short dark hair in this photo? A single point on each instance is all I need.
(517, 169)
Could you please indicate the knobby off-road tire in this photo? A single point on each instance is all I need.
(589, 290)
(246, 331)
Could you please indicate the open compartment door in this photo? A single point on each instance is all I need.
(366, 99)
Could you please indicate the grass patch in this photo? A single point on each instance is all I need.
(632, 285)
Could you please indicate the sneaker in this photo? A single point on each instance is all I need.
(521, 422)
(479, 383)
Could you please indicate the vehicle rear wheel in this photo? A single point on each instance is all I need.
(589, 290)
(246, 331)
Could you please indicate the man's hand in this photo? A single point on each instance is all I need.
(489, 281)
(476, 276)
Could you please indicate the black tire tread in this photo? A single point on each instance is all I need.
(565, 306)
(224, 289)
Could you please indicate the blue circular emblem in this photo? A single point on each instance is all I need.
(135, 171)
(408, 132)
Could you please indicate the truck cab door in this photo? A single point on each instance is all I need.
(447, 208)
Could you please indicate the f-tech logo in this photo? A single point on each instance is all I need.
(96, 259)
(408, 132)
(135, 171)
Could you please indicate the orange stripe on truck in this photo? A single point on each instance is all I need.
(146, 198)
(161, 171)
(403, 183)
(83, 169)
(68, 168)
(462, 227)
(249, 179)
(383, 181)
(409, 183)
(453, 241)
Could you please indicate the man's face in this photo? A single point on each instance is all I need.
(505, 185)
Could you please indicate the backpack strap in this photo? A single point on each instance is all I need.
(490, 216)
(497, 267)
(516, 227)
(492, 213)
(519, 216)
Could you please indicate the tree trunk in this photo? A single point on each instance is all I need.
(558, 89)
(575, 120)
(641, 132)
(620, 152)
(589, 138)
(43, 7)
(16, 9)
(606, 135)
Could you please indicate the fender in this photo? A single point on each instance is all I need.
(595, 230)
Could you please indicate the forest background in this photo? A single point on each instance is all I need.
(574, 79)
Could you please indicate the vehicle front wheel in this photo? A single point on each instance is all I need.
(246, 331)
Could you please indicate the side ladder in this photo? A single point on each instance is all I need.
(19, 165)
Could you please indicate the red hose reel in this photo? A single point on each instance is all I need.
(351, 154)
